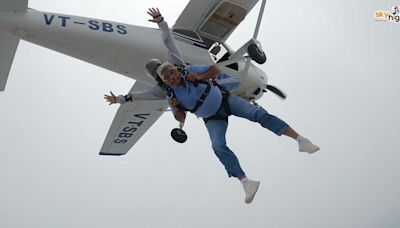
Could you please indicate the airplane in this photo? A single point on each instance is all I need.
(200, 34)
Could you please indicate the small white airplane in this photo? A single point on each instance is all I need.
(200, 33)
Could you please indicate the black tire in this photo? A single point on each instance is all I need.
(256, 54)
(179, 135)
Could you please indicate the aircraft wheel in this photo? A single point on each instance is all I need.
(179, 135)
(256, 54)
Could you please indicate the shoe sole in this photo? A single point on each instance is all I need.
(252, 197)
(313, 151)
(310, 152)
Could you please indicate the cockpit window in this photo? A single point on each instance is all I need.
(220, 53)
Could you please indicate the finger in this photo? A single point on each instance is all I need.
(156, 12)
(112, 94)
(152, 13)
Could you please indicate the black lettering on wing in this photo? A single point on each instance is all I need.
(142, 116)
(129, 129)
(137, 123)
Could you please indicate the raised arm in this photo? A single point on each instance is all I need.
(154, 93)
(174, 56)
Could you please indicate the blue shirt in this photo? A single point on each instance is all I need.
(226, 81)
(189, 94)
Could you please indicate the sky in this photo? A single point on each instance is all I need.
(339, 67)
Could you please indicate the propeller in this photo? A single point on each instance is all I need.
(277, 91)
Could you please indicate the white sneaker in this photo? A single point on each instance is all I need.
(250, 189)
(307, 146)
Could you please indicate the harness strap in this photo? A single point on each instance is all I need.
(201, 100)
(225, 103)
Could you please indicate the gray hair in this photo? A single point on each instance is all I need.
(161, 68)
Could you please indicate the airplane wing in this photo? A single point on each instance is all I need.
(7, 5)
(131, 122)
(209, 21)
(8, 45)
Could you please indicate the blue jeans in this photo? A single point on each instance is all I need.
(217, 130)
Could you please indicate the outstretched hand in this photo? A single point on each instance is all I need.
(156, 14)
(110, 98)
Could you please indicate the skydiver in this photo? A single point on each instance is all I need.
(193, 91)
(215, 104)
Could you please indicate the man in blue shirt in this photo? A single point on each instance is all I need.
(194, 92)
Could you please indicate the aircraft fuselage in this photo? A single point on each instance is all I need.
(118, 47)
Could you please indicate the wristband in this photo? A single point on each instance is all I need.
(128, 97)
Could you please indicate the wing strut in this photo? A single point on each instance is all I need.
(260, 16)
(256, 48)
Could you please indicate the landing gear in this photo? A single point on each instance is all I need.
(178, 134)
(256, 54)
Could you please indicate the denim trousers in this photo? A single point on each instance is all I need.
(217, 130)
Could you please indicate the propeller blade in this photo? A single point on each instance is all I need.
(276, 91)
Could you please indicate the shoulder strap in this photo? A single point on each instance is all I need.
(170, 94)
